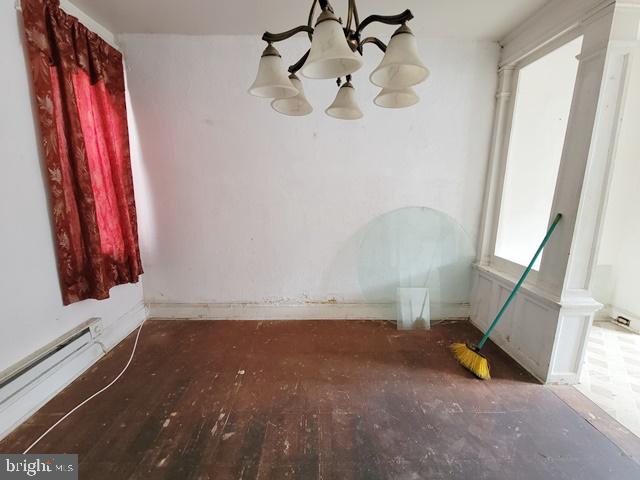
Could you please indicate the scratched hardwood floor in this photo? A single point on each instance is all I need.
(316, 400)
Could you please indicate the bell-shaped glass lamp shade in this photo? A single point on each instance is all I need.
(294, 106)
(272, 80)
(345, 106)
(330, 55)
(388, 98)
(401, 66)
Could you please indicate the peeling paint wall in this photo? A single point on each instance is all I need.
(245, 205)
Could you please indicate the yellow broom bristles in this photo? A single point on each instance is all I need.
(471, 360)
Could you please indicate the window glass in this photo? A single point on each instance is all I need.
(541, 111)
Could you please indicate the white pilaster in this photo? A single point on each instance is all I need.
(547, 327)
(495, 172)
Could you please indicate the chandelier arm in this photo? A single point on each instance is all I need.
(324, 4)
(355, 14)
(379, 43)
(278, 37)
(351, 15)
(298, 65)
(386, 19)
(310, 21)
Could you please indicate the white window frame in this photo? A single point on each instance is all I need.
(501, 264)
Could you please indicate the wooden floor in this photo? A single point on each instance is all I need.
(311, 400)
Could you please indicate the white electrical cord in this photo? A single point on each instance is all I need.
(133, 351)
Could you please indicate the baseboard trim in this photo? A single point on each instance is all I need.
(254, 311)
(604, 314)
(615, 312)
(124, 326)
(58, 378)
(306, 311)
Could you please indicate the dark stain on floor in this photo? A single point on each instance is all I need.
(316, 400)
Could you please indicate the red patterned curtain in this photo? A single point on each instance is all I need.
(78, 83)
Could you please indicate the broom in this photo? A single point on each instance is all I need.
(469, 356)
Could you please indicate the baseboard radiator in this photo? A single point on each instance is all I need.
(19, 379)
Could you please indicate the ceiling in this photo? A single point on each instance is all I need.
(469, 19)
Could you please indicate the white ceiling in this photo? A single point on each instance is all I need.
(469, 19)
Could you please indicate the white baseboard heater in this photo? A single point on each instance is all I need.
(18, 379)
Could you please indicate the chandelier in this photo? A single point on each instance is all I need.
(336, 53)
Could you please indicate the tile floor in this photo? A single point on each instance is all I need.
(611, 374)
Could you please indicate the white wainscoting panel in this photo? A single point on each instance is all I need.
(543, 334)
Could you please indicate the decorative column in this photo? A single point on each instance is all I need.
(495, 171)
(546, 328)
(610, 40)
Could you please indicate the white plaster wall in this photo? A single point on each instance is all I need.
(32, 310)
(246, 205)
(617, 279)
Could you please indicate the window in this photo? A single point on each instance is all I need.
(539, 123)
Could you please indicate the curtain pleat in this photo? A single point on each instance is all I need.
(78, 85)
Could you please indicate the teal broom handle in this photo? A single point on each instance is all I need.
(521, 281)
